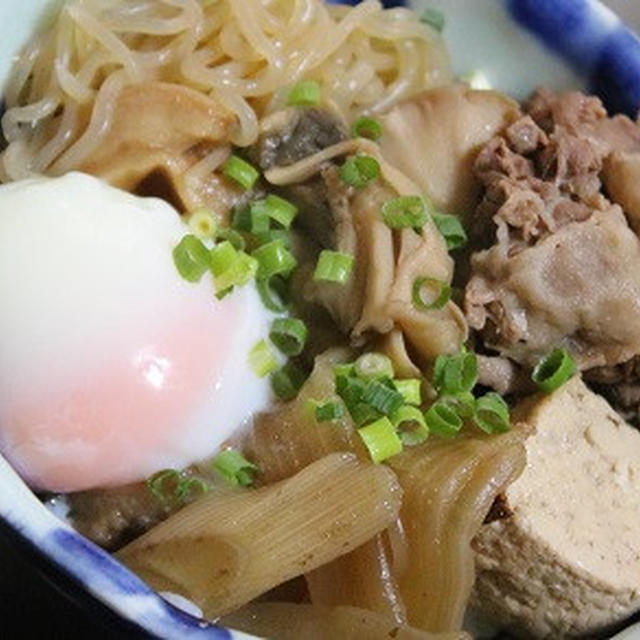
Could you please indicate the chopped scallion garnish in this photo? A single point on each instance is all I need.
(164, 483)
(359, 171)
(241, 218)
(191, 258)
(190, 486)
(329, 411)
(289, 335)
(274, 259)
(260, 220)
(411, 425)
(232, 236)
(492, 413)
(410, 389)
(554, 370)
(365, 127)
(287, 381)
(370, 366)
(276, 208)
(381, 439)
(382, 397)
(273, 292)
(262, 359)
(170, 484)
(438, 290)
(455, 374)
(451, 229)
(234, 468)
(282, 235)
(333, 266)
(306, 93)
(405, 212)
(463, 403)
(203, 223)
(443, 420)
(231, 268)
(241, 172)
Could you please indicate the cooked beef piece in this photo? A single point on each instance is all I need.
(560, 264)
(113, 517)
(503, 375)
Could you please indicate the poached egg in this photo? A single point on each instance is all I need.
(112, 366)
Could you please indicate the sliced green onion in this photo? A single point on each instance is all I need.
(203, 224)
(273, 292)
(373, 365)
(451, 229)
(191, 258)
(382, 397)
(230, 267)
(410, 389)
(329, 411)
(363, 413)
(260, 220)
(287, 381)
(463, 403)
(289, 335)
(454, 374)
(443, 420)
(221, 257)
(434, 18)
(274, 259)
(262, 359)
(492, 413)
(241, 172)
(164, 483)
(381, 439)
(345, 370)
(411, 425)
(187, 487)
(282, 235)
(359, 171)
(554, 370)
(243, 269)
(305, 94)
(350, 388)
(234, 468)
(405, 212)
(241, 218)
(232, 236)
(333, 266)
(366, 128)
(276, 208)
(440, 293)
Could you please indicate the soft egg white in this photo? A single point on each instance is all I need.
(112, 366)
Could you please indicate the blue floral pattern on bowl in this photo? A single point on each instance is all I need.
(597, 45)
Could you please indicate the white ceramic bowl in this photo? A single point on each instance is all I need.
(517, 44)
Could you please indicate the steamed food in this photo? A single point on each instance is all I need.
(313, 334)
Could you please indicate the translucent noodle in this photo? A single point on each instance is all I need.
(449, 488)
(243, 54)
(311, 622)
(227, 548)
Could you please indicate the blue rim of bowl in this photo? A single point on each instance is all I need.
(595, 43)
